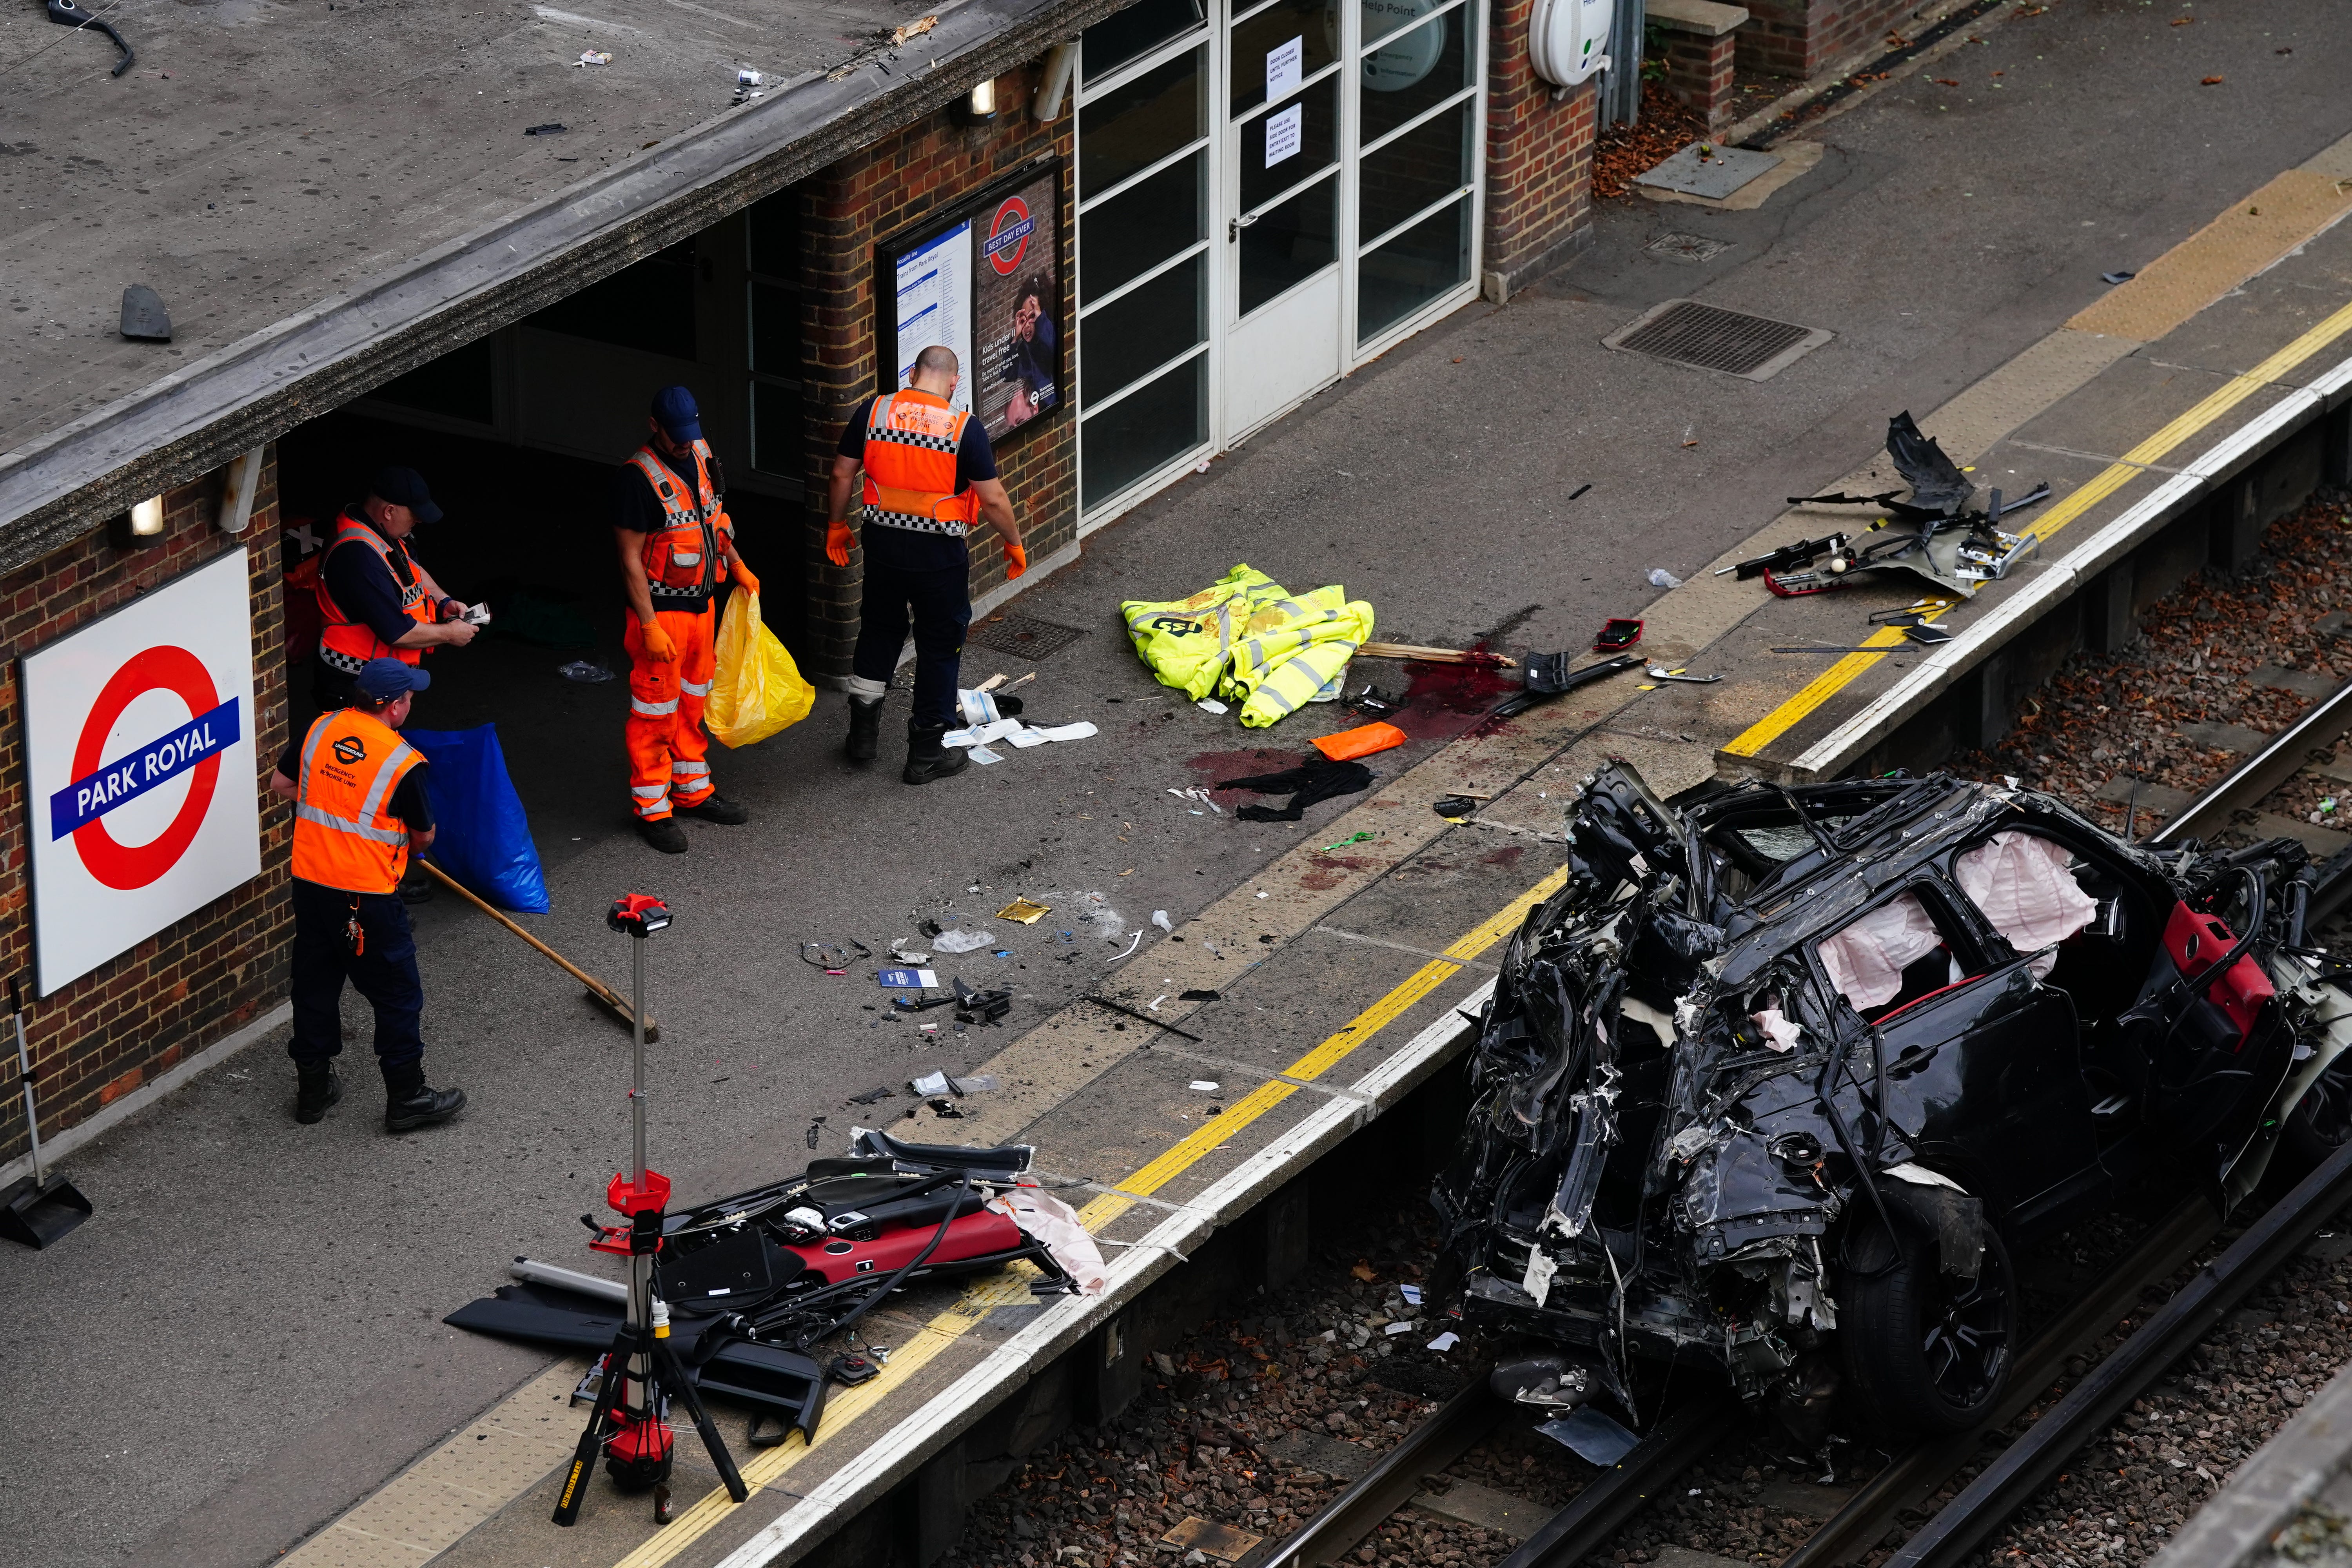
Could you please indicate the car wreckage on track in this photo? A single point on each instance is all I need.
(1780, 1079)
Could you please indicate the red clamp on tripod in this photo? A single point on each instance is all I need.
(630, 1422)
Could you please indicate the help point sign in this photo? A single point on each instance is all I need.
(138, 753)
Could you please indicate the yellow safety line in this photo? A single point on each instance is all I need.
(2110, 480)
(842, 1410)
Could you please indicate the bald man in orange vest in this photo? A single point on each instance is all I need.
(928, 476)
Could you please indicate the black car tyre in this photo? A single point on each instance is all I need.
(2321, 1121)
(1927, 1350)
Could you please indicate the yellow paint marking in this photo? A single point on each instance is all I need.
(2106, 482)
(1013, 1287)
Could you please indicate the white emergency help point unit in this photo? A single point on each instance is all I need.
(139, 755)
(1567, 40)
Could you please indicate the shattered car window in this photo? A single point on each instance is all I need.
(1894, 952)
(2026, 887)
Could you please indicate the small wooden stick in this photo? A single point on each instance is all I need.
(1435, 655)
(598, 992)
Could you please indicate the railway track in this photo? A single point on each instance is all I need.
(1708, 1418)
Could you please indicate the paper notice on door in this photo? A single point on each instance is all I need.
(1283, 132)
(1286, 68)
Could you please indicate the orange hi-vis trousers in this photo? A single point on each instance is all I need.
(669, 750)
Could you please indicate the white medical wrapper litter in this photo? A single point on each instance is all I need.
(1050, 1220)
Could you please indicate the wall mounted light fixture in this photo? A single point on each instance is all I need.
(979, 106)
(141, 528)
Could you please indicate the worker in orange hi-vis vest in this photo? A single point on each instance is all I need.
(928, 478)
(360, 807)
(677, 545)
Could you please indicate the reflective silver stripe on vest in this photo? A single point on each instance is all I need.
(908, 519)
(356, 829)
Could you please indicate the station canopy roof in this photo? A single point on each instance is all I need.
(327, 193)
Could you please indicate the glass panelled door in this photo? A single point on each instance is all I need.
(1416, 164)
(1284, 107)
(1269, 192)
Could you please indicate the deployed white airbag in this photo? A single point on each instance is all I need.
(2020, 882)
(1867, 959)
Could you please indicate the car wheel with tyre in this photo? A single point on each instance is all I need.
(1927, 1350)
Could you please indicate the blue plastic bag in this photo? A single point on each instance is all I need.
(483, 839)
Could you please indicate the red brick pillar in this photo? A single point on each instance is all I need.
(1538, 160)
(1701, 36)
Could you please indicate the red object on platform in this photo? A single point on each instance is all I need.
(969, 1236)
(629, 1199)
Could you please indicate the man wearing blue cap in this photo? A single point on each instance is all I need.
(374, 600)
(359, 807)
(677, 545)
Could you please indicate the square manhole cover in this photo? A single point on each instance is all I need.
(1708, 337)
(1704, 169)
(1023, 634)
(1688, 246)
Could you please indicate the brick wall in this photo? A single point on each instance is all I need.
(1539, 159)
(846, 211)
(1801, 38)
(195, 981)
(1699, 71)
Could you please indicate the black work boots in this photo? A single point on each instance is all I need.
(929, 757)
(865, 729)
(409, 1102)
(317, 1085)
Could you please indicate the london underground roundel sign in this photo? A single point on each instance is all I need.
(141, 757)
(1007, 240)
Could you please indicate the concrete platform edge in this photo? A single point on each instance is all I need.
(866, 1479)
(2285, 1473)
(1847, 743)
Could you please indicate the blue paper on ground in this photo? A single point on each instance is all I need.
(481, 836)
(907, 979)
(1594, 1437)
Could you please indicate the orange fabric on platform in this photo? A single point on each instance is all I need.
(669, 751)
(1360, 742)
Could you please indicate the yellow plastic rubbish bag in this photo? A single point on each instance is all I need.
(756, 689)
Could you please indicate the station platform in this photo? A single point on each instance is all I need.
(1342, 969)
(2131, 432)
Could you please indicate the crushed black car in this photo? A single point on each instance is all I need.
(1781, 1079)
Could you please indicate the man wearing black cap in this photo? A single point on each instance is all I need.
(677, 545)
(374, 600)
(360, 807)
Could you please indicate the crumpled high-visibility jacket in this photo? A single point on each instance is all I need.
(1249, 640)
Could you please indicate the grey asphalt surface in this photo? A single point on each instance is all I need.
(247, 1337)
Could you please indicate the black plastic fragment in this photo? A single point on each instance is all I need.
(144, 319)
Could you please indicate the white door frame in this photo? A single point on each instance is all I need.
(1221, 193)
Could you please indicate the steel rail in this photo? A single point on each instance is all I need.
(2005, 1485)
(1917, 1472)
(1594, 1514)
(2254, 778)
(1392, 1481)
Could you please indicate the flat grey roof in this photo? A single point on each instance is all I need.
(327, 193)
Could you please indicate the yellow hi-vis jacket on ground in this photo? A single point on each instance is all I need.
(1250, 640)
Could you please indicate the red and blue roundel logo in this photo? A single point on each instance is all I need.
(1008, 235)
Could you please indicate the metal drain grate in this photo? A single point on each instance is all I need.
(1688, 246)
(1023, 634)
(1708, 338)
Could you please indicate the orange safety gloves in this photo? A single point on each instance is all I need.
(837, 543)
(1016, 561)
(743, 576)
(658, 647)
